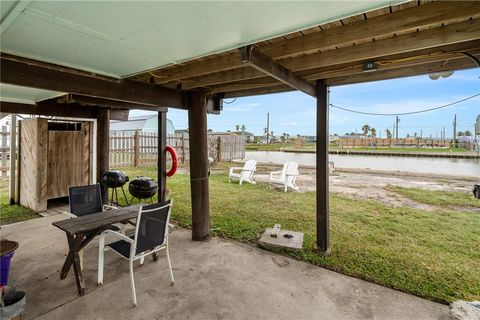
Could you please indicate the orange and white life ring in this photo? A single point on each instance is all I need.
(174, 167)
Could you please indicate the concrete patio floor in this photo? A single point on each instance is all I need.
(218, 279)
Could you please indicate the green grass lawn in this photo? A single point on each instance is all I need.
(15, 213)
(431, 254)
(445, 199)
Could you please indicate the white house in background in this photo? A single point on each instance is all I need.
(141, 123)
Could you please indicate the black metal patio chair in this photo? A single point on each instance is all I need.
(85, 200)
(151, 235)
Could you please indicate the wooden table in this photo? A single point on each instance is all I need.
(80, 231)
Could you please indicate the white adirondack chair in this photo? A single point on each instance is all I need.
(286, 177)
(246, 172)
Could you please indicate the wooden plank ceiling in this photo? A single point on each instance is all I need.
(417, 37)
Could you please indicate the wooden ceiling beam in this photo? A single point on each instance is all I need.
(50, 109)
(429, 39)
(87, 100)
(408, 20)
(457, 64)
(55, 78)
(254, 58)
(326, 73)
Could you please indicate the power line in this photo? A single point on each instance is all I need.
(405, 113)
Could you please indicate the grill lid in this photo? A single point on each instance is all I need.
(114, 178)
(143, 187)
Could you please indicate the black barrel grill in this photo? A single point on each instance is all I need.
(114, 179)
(142, 188)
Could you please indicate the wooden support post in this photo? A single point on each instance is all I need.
(13, 158)
(136, 148)
(103, 147)
(322, 168)
(162, 157)
(197, 123)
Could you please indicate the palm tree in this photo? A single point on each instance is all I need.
(389, 133)
(374, 132)
(237, 127)
(365, 129)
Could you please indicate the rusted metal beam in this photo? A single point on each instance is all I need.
(56, 78)
(261, 62)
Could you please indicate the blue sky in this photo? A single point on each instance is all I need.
(294, 112)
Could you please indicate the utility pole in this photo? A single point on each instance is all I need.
(397, 120)
(268, 127)
(421, 134)
(455, 131)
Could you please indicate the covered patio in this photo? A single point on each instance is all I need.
(84, 60)
(219, 279)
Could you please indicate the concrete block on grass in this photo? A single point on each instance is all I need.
(294, 243)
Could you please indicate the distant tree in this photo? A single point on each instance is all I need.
(408, 135)
(237, 127)
(389, 133)
(414, 134)
(243, 128)
(373, 132)
(365, 129)
(468, 133)
(460, 133)
(209, 130)
(288, 137)
(271, 135)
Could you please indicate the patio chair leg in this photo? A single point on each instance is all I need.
(142, 261)
(132, 282)
(101, 253)
(170, 266)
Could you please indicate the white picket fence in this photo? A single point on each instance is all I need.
(139, 148)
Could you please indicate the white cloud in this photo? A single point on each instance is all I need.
(241, 108)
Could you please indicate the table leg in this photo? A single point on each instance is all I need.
(66, 265)
(74, 245)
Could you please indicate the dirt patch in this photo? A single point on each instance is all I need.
(371, 185)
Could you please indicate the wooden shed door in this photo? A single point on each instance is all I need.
(67, 165)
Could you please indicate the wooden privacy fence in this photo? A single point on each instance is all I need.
(391, 142)
(139, 148)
